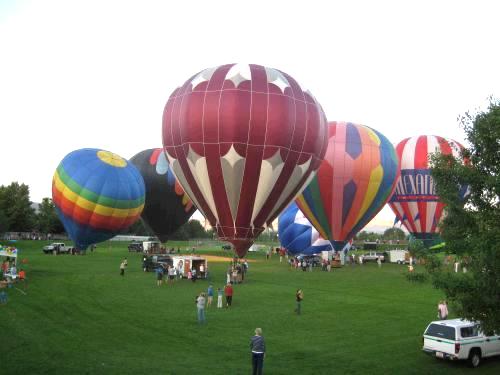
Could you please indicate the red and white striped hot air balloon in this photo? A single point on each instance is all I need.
(243, 140)
(415, 201)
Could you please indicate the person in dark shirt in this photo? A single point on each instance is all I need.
(258, 348)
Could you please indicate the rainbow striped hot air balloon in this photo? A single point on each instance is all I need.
(97, 194)
(354, 181)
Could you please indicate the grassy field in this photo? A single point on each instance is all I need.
(80, 317)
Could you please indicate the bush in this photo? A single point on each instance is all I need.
(416, 277)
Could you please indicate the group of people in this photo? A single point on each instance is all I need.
(9, 276)
(170, 273)
(204, 300)
(236, 271)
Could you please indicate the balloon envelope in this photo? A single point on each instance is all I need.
(97, 194)
(167, 206)
(297, 234)
(354, 181)
(415, 201)
(242, 141)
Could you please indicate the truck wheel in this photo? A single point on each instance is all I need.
(475, 358)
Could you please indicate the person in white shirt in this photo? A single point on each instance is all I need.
(200, 305)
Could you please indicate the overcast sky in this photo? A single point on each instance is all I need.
(77, 74)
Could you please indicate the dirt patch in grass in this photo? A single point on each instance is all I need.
(216, 258)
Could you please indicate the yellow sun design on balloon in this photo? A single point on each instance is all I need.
(111, 159)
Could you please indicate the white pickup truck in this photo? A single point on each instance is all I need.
(57, 248)
(458, 339)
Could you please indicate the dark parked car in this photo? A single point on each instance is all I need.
(135, 246)
(226, 247)
(151, 262)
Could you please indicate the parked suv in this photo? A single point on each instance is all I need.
(458, 339)
(151, 262)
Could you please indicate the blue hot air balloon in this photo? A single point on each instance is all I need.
(297, 234)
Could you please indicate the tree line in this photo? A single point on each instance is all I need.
(17, 214)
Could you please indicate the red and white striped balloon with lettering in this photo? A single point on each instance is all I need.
(243, 140)
(415, 201)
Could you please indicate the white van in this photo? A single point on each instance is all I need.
(458, 339)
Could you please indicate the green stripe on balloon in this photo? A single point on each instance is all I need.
(318, 207)
(95, 198)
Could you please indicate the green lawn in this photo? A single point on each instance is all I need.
(79, 316)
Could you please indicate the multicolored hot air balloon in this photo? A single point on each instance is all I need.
(243, 140)
(97, 194)
(167, 206)
(353, 183)
(415, 201)
(297, 235)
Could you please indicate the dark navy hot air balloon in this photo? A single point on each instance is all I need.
(97, 194)
(297, 234)
(167, 206)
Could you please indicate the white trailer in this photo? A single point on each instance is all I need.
(399, 256)
(151, 247)
(184, 264)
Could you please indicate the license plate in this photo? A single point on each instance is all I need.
(439, 354)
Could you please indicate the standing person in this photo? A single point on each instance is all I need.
(180, 269)
(258, 348)
(202, 270)
(123, 265)
(210, 295)
(299, 296)
(22, 278)
(200, 305)
(193, 275)
(3, 297)
(159, 275)
(219, 298)
(171, 274)
(379, 262)
(442, 310)
(228, 291)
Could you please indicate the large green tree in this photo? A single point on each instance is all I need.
(4, 222)
(394, 234)
(16, 205)
(471, 227)
(46, 219)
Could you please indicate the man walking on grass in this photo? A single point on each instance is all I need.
(123, 265)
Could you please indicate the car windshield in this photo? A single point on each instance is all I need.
(441, 331)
